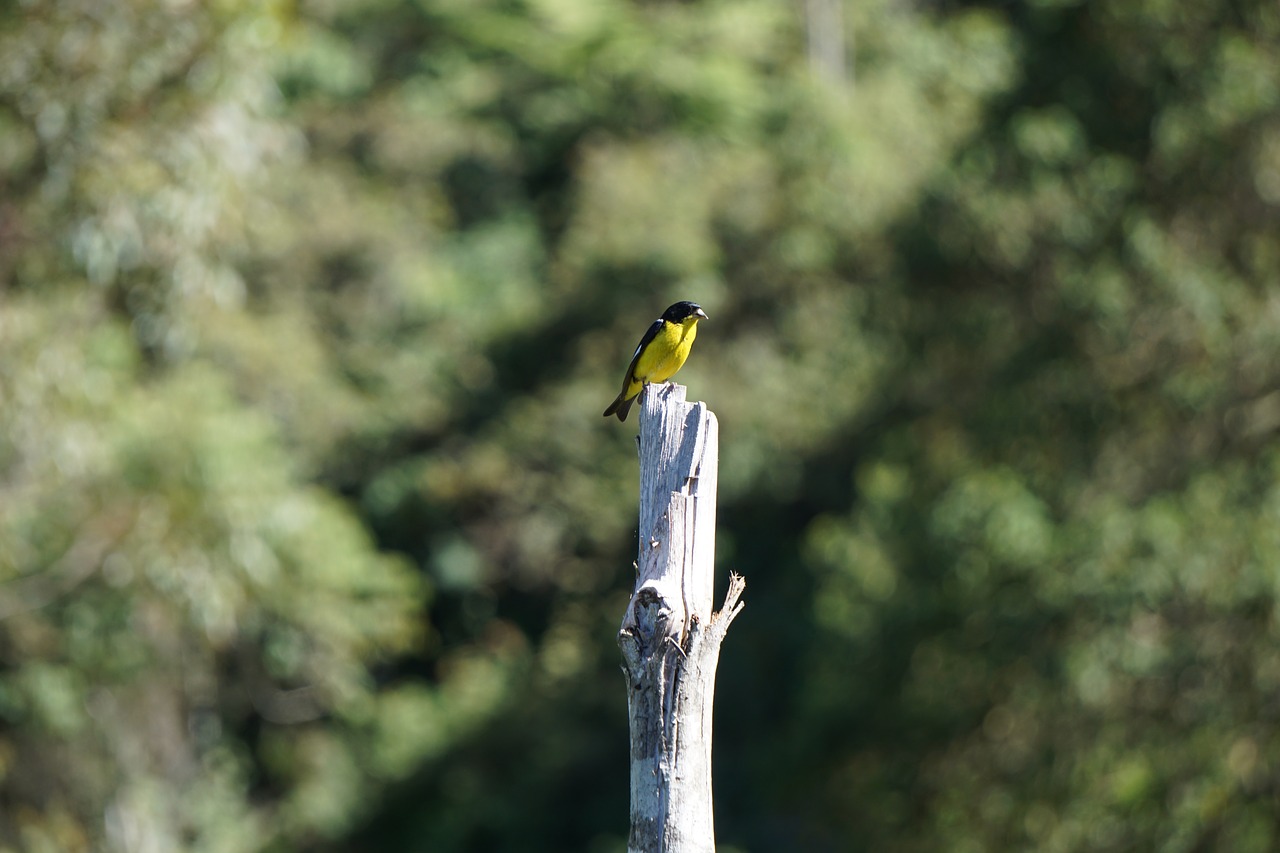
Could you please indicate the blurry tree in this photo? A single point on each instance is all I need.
(187, 620)
(1054, 566)
(308, 518)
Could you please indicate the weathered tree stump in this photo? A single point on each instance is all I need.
(670, 638)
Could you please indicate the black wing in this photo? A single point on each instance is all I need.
(649, 335)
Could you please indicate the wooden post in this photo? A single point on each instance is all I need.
(670, 639)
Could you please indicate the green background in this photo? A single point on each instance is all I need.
(312, 537)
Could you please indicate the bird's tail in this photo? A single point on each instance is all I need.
(620, 406)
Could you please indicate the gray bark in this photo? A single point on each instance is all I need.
(670, 638)
(827, 49)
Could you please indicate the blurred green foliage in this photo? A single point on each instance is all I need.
(311, 534)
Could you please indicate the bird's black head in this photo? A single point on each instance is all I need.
(682, 311)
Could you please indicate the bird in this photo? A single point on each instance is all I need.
(662, 351)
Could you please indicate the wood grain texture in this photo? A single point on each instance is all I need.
(670, 638)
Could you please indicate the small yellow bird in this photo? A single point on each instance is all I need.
(661, 353)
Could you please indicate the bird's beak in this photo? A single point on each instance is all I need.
(701, 313)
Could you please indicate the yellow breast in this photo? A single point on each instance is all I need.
(668, 351)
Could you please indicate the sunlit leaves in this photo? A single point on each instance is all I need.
(310, 310)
